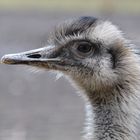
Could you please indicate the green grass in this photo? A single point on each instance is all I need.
(70, 5)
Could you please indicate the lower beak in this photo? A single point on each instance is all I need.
(29, 57)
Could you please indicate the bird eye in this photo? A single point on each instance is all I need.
(84, 48)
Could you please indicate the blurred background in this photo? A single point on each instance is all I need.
(36, 106)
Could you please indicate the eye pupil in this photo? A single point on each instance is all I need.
(84, 48)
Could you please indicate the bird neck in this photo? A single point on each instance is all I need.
(112, 114)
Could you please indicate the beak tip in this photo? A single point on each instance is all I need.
(6, 59)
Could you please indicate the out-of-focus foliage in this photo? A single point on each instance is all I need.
(132, 6)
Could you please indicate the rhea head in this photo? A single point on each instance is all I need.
(90, 51)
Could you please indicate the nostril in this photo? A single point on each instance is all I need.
(34, 56)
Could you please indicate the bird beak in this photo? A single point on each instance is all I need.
(34, 57)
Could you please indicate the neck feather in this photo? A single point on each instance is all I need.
(112, 116)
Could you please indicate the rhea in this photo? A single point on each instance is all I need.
(97, 58)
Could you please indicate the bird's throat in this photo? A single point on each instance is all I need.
(112, 120)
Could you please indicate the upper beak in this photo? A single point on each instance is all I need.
(36, 56)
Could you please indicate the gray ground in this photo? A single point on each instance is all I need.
(34, 106)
